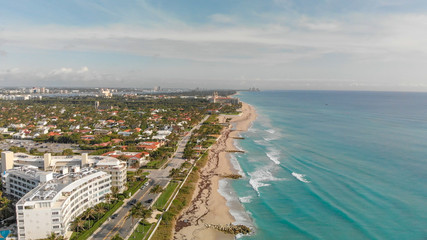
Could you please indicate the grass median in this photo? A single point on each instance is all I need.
(140, 231)
(164, 197)
(86, 234)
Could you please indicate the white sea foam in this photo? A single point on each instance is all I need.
(236, 165)
(274, 155)
(246, 199)
(272, 131)
(260, 142)
(300, 177)
(236, 208)
(252, 130)
(237, 146)
(259, 177)
(268, 139)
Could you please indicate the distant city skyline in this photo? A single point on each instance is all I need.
(277, 44)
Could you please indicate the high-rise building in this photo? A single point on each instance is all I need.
(53, 205)
(65, 164)
(19, 181)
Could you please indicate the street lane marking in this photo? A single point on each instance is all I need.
(125, 217)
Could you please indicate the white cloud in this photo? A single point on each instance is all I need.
(221, 18)
(385, 47)
(83, 70)
(358, 36)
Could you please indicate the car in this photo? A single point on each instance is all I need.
(132, 202)
(114, 216)
(149, 200)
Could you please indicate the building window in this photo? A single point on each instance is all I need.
(44, 204)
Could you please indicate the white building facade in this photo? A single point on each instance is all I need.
(19, 181)
(53, 205)
(66, 164)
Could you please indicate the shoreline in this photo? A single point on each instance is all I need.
(208, 205)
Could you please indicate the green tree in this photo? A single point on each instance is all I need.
(135, 212)
(67, 152)
(117, 237)
(156, 189)
(54, 236)
(78, 224)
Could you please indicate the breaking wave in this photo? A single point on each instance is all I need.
(274, 155)
(246, 199)
(272, 131)
(300, 177)
(260, 177)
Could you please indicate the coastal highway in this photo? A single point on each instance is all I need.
(123, 225)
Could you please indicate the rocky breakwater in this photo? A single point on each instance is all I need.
(232, 176)
(230, 228)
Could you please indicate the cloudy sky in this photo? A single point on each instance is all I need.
(278, 44)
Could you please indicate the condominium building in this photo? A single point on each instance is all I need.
(53, 205)
(20, 180)
(117, 170)
(65, 164)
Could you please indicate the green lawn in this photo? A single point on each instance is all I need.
(155, 164)
(140, 231)
(163, 199)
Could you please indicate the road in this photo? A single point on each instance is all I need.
(123, 225)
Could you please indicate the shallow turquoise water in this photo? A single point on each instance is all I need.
(335, 165)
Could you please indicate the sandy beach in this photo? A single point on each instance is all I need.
(208, 206)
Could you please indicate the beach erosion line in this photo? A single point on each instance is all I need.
(208, 205)
(233, 202)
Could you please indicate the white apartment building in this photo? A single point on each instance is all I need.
(65, 164)
(20, 180)
(117, 170)
(53, 205)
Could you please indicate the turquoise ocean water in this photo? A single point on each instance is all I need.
(334, 165)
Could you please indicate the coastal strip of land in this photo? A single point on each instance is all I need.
(208, 206)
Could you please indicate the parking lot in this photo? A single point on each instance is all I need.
(41, 147)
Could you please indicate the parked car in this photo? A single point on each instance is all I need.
(149, 200)
(132, 202)
(114, 216)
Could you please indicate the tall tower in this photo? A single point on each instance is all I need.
(96, 105)
(215, 96)
(7, 158)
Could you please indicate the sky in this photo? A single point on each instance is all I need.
(234, 44)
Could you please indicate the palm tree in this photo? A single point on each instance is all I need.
(89, 214)
(145, 213)
(54, 236)
(135, 211)
(115, 191)
(108, 197)
(100, 210)
(156, 189)
(78, 224)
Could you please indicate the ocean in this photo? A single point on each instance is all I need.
(333, 165)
